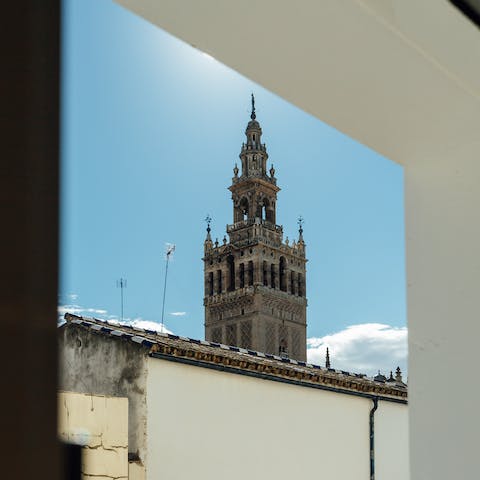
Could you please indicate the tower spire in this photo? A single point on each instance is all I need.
(208, 220)
(252, 115)
(208, 244)
(300, 222)
(327, 359)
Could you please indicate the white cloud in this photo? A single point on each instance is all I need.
(139, 322)
(79, 310)
(150, 325)
(178, 314)
(364, 348)
(102, 313)
(98, 311)
(74, 309)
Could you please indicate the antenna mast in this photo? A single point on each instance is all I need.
(121, 283)
(170, 248)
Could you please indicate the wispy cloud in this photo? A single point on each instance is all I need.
(364, 348)
(178, 314)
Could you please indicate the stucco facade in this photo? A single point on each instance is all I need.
(212, 411)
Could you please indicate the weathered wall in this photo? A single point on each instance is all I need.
(98, 364)
(207, 424)
(100, 424)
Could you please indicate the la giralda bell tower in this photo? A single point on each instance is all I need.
(255, 282)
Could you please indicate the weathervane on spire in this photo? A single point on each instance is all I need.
(300, 224)
(300, 229)
(253, 116)
(208, 220)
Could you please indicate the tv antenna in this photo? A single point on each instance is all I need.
(121, 284)
(169, 249)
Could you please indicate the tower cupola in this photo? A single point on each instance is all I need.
(253, 154)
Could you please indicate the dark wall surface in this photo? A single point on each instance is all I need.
(29, 126)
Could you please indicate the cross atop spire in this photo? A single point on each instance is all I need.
(253, 116)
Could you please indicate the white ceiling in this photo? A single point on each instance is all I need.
(401, 76)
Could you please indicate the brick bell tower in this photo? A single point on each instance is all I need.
(255, 283)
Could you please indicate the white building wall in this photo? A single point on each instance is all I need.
(208, 424)
(443, 265)
(391, 442)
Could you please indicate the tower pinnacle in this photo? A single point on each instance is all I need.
(252, 115)
(327, 359)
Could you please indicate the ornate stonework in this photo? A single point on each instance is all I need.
(255, 293)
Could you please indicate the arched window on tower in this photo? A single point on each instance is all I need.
(231, 273)
(242, 275)
(244, 209)
(260, 209)
(272, 274)
(283, 274)
(210, 283)
(300, 285)
(250, 273)
(270, 212)
(292, 283)
(219, 281)
(265, 274)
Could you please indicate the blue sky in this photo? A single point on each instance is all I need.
(151, 129)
